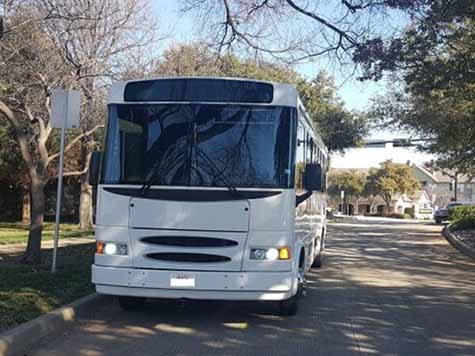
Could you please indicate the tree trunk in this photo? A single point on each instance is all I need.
(456, 188)
(86, 199)
(33, 249)
(387, 200)
(85, 206)
(26, 208)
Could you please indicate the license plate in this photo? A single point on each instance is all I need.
(182, 280)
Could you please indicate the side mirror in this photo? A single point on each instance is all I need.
(94, 165)
(313, 179)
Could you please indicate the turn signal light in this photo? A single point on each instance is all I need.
(100, 247)
(270, 254)
(111, 248)
(284, 253)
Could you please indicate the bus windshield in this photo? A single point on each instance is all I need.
(208, 145)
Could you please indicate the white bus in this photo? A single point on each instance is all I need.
(208, 188)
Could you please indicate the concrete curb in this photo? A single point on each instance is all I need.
(459, 245)
(25, 336)
(347, 218)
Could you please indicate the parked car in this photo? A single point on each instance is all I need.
(442, 214)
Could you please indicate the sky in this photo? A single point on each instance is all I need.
(181, 28)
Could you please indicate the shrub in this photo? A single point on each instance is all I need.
(462, 212)
(410, 212)
(399, 216)
(462, 217)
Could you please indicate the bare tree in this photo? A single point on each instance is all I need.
(96, 38)
(29, 69)
(73, 44)
(295, 30)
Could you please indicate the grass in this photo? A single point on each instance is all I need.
(26, 291)
(11, 233)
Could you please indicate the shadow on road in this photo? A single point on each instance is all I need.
(385, 290)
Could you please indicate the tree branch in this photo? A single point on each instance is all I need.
(73, 173)
(342, 34)
(21, 137)
(74, 141)
(243, 36)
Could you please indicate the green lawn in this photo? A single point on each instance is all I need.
(18, 233)
(29, 291)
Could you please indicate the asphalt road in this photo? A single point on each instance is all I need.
(386, 289)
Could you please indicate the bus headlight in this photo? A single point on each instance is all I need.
(271, 253)
(111, 248)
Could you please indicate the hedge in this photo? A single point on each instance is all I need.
(462, 217)
(399, 216)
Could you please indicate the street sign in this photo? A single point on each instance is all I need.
(65, 107)
(342, 194)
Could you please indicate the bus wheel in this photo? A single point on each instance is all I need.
(318, 262)
(131, 303)
(289, 306)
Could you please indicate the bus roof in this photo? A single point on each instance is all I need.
(283, 94)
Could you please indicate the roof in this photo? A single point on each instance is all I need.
(439, 177)
(357, 170)
(284, 94)
(418, 194)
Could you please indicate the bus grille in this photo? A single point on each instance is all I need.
(187, 257)
(188, 241)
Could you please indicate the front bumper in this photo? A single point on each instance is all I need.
(208, 285)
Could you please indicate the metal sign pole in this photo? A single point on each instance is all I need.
(59, 193)
(65, 110)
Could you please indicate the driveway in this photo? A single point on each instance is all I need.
(387, 288)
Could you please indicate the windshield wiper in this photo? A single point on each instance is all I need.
(156, 174)
(231, 188)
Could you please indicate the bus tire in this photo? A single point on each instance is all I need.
(288, 307)
(318, 261)
(131, 303)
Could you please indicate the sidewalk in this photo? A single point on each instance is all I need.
(379, 219)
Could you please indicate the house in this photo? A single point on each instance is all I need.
(441, 187)
(417, 204)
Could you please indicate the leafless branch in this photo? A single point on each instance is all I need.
(73, 173)
(75, 141)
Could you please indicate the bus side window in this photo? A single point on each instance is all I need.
(324, 169)
(309, 148)
(300, 157)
